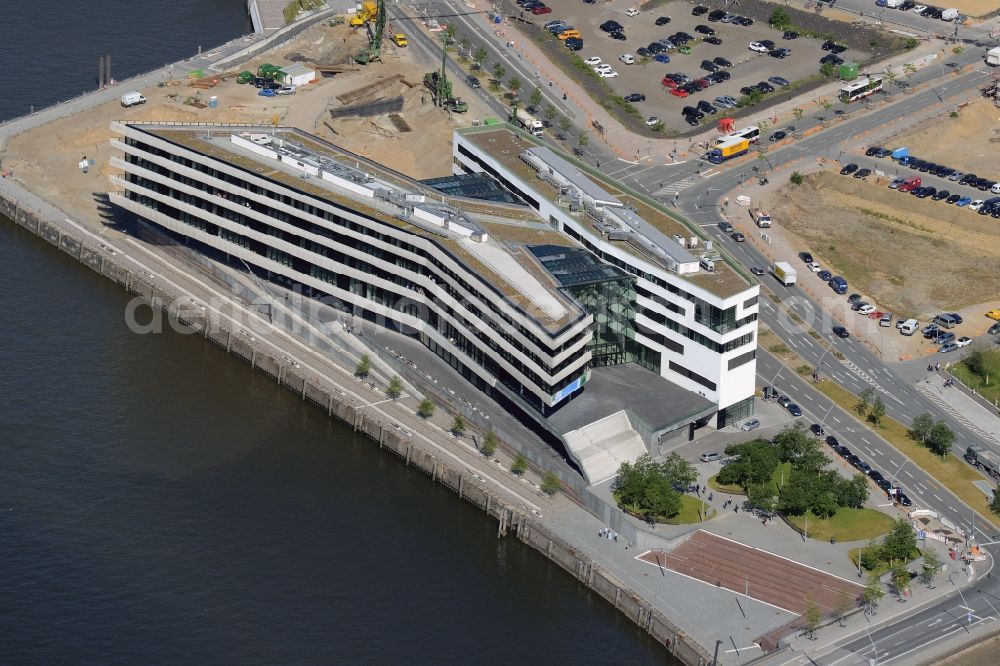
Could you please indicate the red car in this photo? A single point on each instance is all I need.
(678, 92)
(541, 10)
(668, 82)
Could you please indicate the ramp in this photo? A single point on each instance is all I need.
(600, 448)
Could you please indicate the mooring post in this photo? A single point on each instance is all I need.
(229, 342)
(303, 388)
(329, 406)
(434, 471)
(409, 448)
(618, 595)
(461, 485)
(488, 498)
(253, 359)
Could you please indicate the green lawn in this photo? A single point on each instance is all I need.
(847, 525)
(951, 471)
(714, 484)
(780, 476)
(991, 390)
(690, 512)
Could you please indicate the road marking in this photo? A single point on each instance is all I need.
(835, 419)
(907, 473)
(938, 498)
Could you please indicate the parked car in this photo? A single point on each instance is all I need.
(653, 121)
(963, 341)
(963, 201)
(862, 173)
(750, 424)
(710, 456)
(848, 169)
(824, 275)
(635, 97)
(794, 410)
(779, 81)
(713, 40)
(948, 347)
(722, 62)
(777, 136)
(663, 20)
(758, 47)
(806, 257)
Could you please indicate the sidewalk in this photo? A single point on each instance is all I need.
(966, 409)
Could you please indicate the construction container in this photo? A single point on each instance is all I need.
(849, 71)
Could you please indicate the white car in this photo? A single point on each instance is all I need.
(866, 309)
(919, 8)
(963, 341)
(632, 11)
(813, 266)
(976, 205)
(653, 121)
(593, 61)
(758, 47)
(608, 74)
(627, 58)
(603, 67)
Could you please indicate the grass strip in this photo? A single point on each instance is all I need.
(847, 525)
(951, 471)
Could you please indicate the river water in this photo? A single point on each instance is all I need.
(160, 502)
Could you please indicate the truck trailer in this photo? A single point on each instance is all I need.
(784, 272)
(989, 462)
(528, 122)
(728, 147)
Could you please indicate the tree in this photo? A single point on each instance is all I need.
(900, 542)
(395, 388)
(551, 483)
(826, 104)
(761, 495)
(498, 71)
(582, 141)
(873, 593)
(798, 113)
(864, 400)
(426, 408)
(900, 578)
(489, 446)
(780, 19)
(754, 462)
(463, 44)
(514, 84)
(826, 69)
(920, 428)
(877, 411)
(889, 76)
(536, 97)
(932, 567)
(796, 178)
(678, 472)
(854, 493)
(458, 426)
(520, 465)
(958, 51)
(479, 57)
(363, 367)
(940, 439)
(794, 442)
(845, 604)
(812, 617)
(550, 113)
(564, 125)
(909, 69)
(660, 499)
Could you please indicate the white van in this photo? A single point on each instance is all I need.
(949, 15)
(908, 327)
(132, 98)
(893, 4)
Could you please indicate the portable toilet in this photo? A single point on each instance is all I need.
(213, 102)
(849, 71)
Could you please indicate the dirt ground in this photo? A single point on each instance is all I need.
(969, 143)
(47, 158)
(973, 7)
(890, 246)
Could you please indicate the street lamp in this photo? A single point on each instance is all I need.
(965, 604)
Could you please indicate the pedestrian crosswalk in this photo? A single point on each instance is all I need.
(676, 187)
(930, 393)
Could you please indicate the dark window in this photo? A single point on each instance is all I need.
(742, 359)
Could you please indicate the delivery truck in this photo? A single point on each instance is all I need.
(728, 147)
(784, 272)
(132, 98)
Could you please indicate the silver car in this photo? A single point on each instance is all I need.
(750, 424)
(710, 456)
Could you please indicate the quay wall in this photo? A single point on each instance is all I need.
(511, 520)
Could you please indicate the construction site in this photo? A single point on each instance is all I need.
(359, 85)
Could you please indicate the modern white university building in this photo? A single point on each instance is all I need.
(583, 308)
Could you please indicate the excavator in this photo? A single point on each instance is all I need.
(440, 86)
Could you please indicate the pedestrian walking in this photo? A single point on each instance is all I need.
(710, 497)
(938, 367)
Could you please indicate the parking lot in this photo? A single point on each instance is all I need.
(645, 76)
